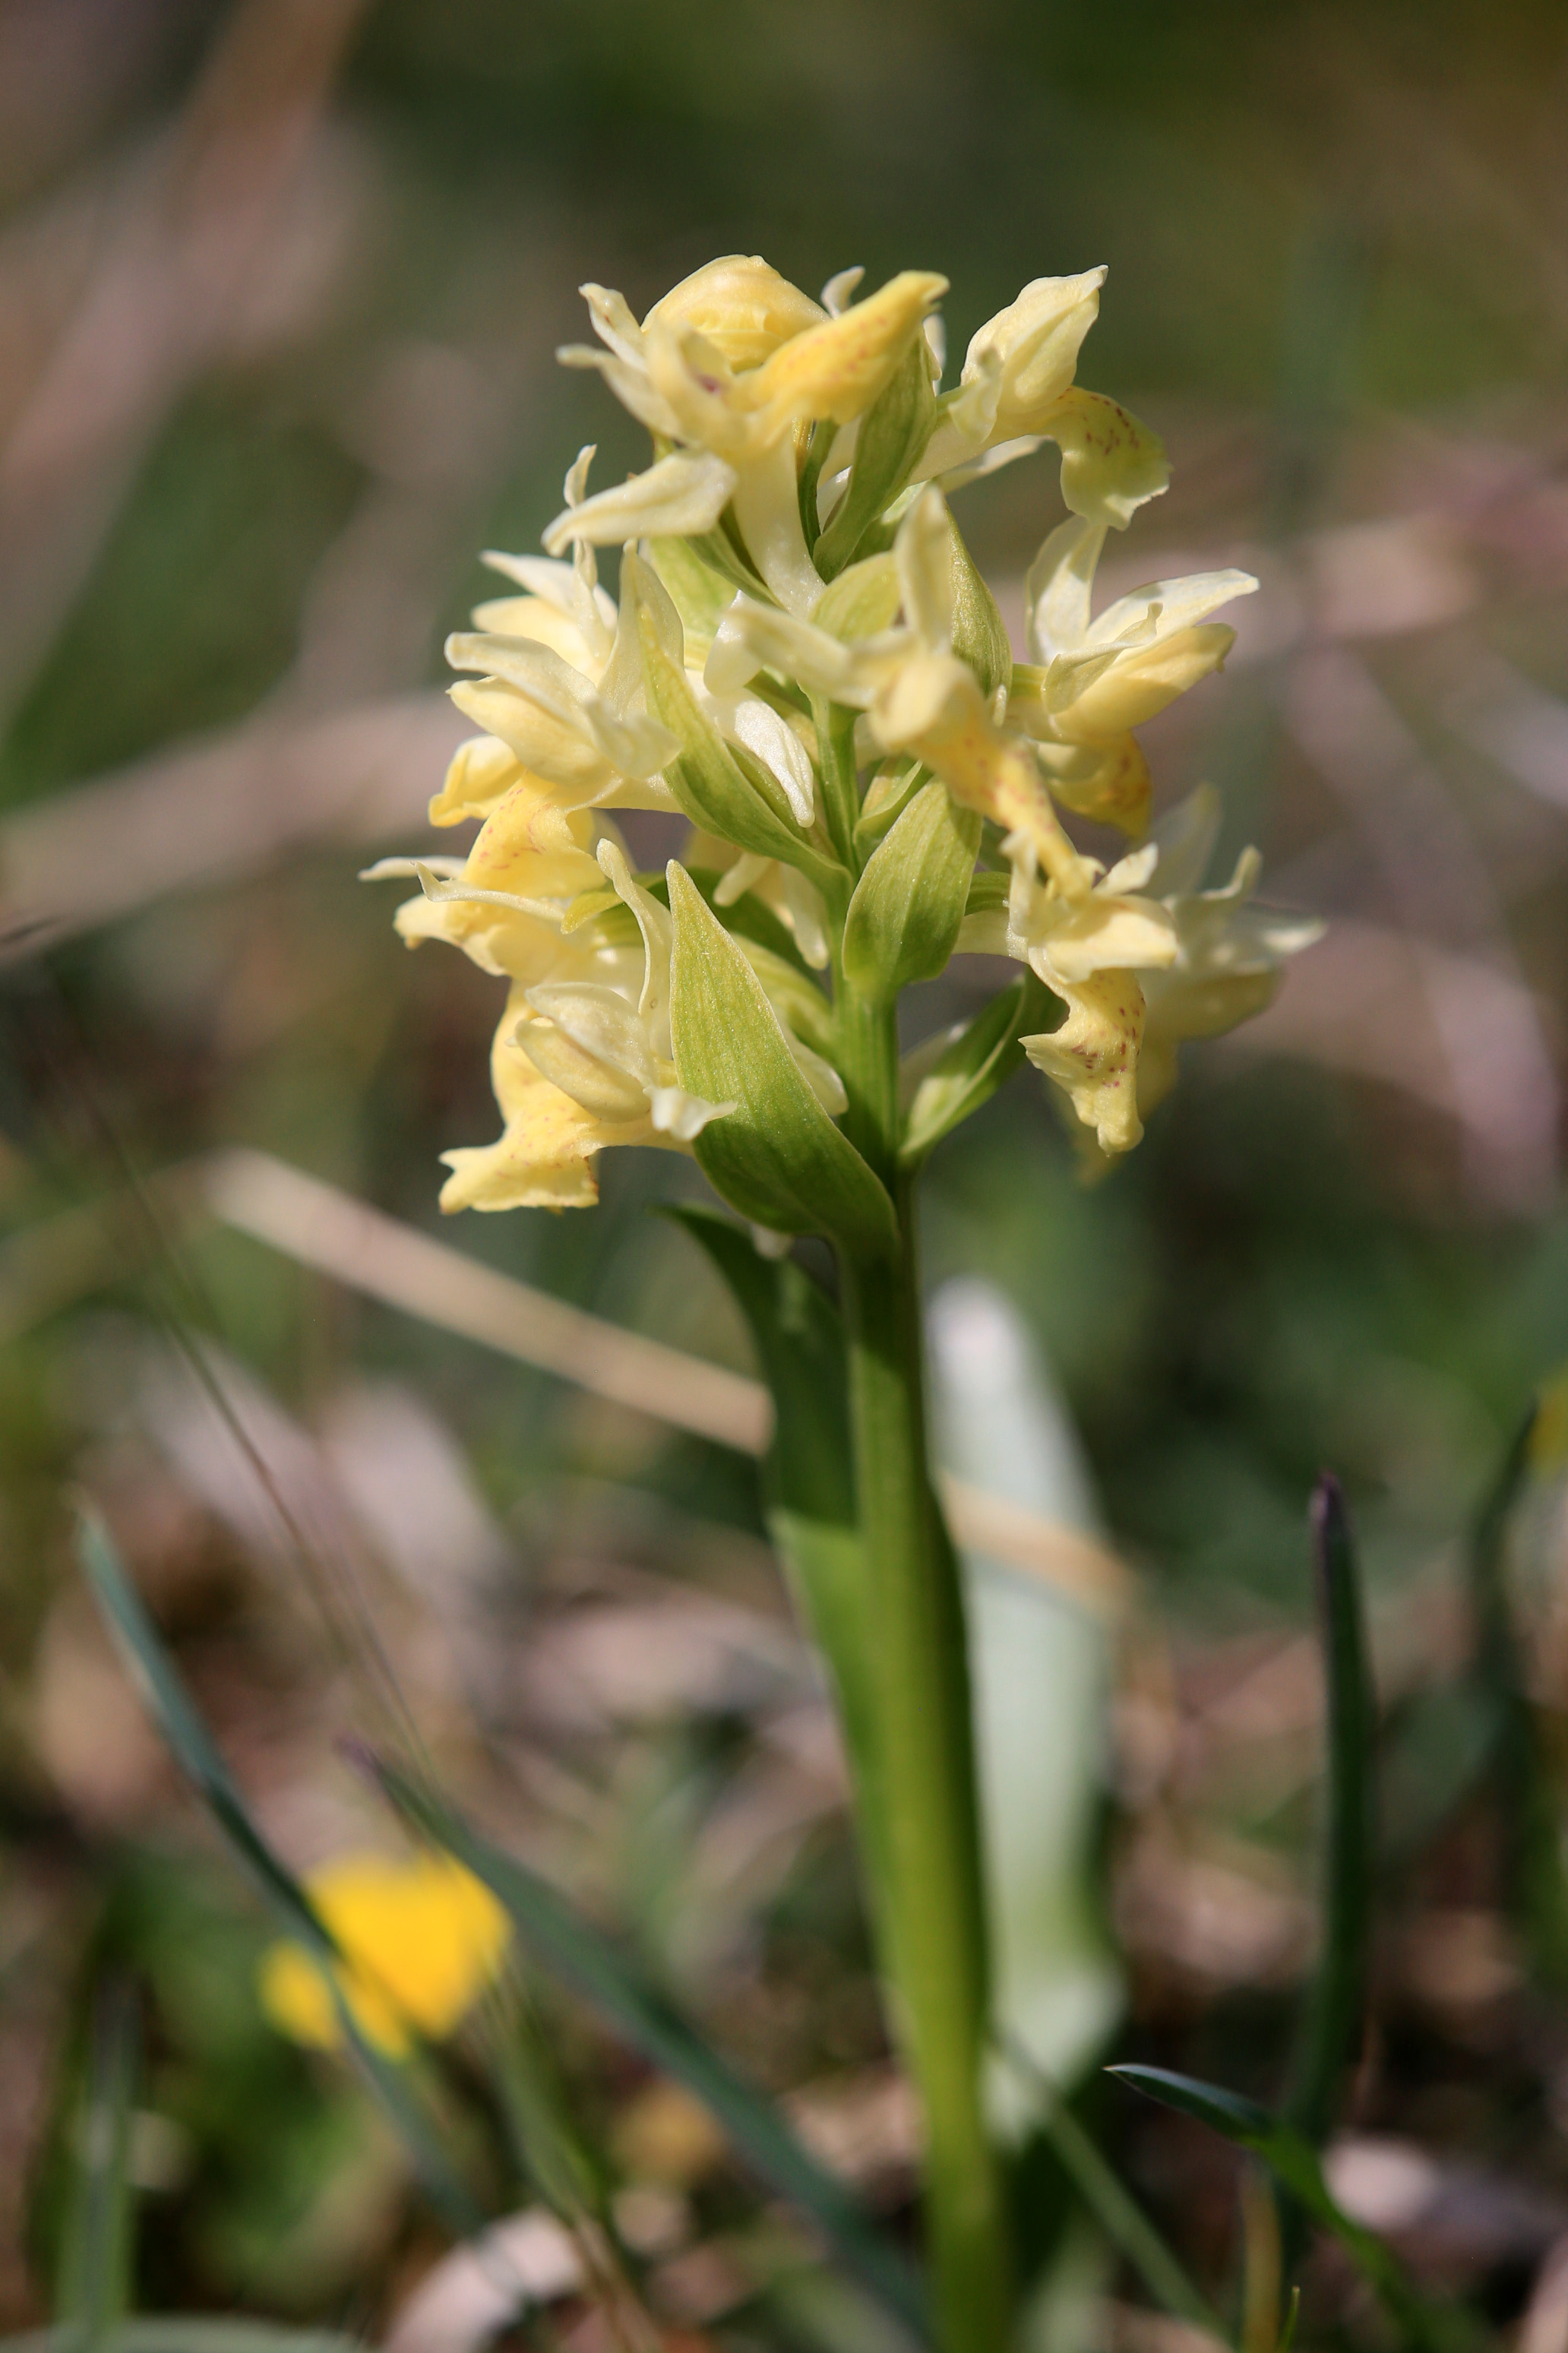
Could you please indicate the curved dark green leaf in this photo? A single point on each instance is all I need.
(1295, 2164)
(1114, 2208)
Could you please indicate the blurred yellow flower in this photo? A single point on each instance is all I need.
(421, 1939)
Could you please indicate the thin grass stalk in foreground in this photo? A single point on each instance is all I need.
(198, 1755)
(1296, 2168)
(1115, 2209)
(1535, 1890)
(1332, 2021)
(93, 2289)
(590, 1966)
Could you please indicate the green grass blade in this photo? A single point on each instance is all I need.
(585, 1961)
(1115, 2209)
(198, 1755)
(93, 2288)
(1536, 1886)
(1295, 2164)
(1332, 2020)
(1448, 1742)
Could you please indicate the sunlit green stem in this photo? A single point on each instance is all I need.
(932, 1907)
(840, 785)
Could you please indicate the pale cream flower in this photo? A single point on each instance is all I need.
(1230, 954)
(504, 904)
(1090, 682)
(733, 364)
(582, 1059)
(919, 696)
(733, 359)
(1144, 962)
(563, 696)
(1090, 949)
(1018, 390)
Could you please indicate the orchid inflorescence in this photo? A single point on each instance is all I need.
(805, 662)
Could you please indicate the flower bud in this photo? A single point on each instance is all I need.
(740, 305)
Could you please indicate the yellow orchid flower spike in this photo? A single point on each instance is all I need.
(802, 659)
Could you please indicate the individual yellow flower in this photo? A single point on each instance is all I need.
(689, 373)
(1090, 948)
(1143, 962)
(504, 904)
(582, 1060)
(1018, 390)
(740, 304)
(734, 358)
(420, 1938)
(583, 1057)
(1093, 681)
(1230, 954)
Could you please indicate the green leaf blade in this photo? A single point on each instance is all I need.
(1332, 2020)
(1296, 2166)
(93, 2290)
(710, 782)
(809, 1488)
(893, 433)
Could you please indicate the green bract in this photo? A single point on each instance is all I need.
(707, 778)
(904, 917)
(971, 1066)
(892, 435)
(777, 1157)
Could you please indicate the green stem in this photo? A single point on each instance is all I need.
(933, 1906)
(840, 781)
